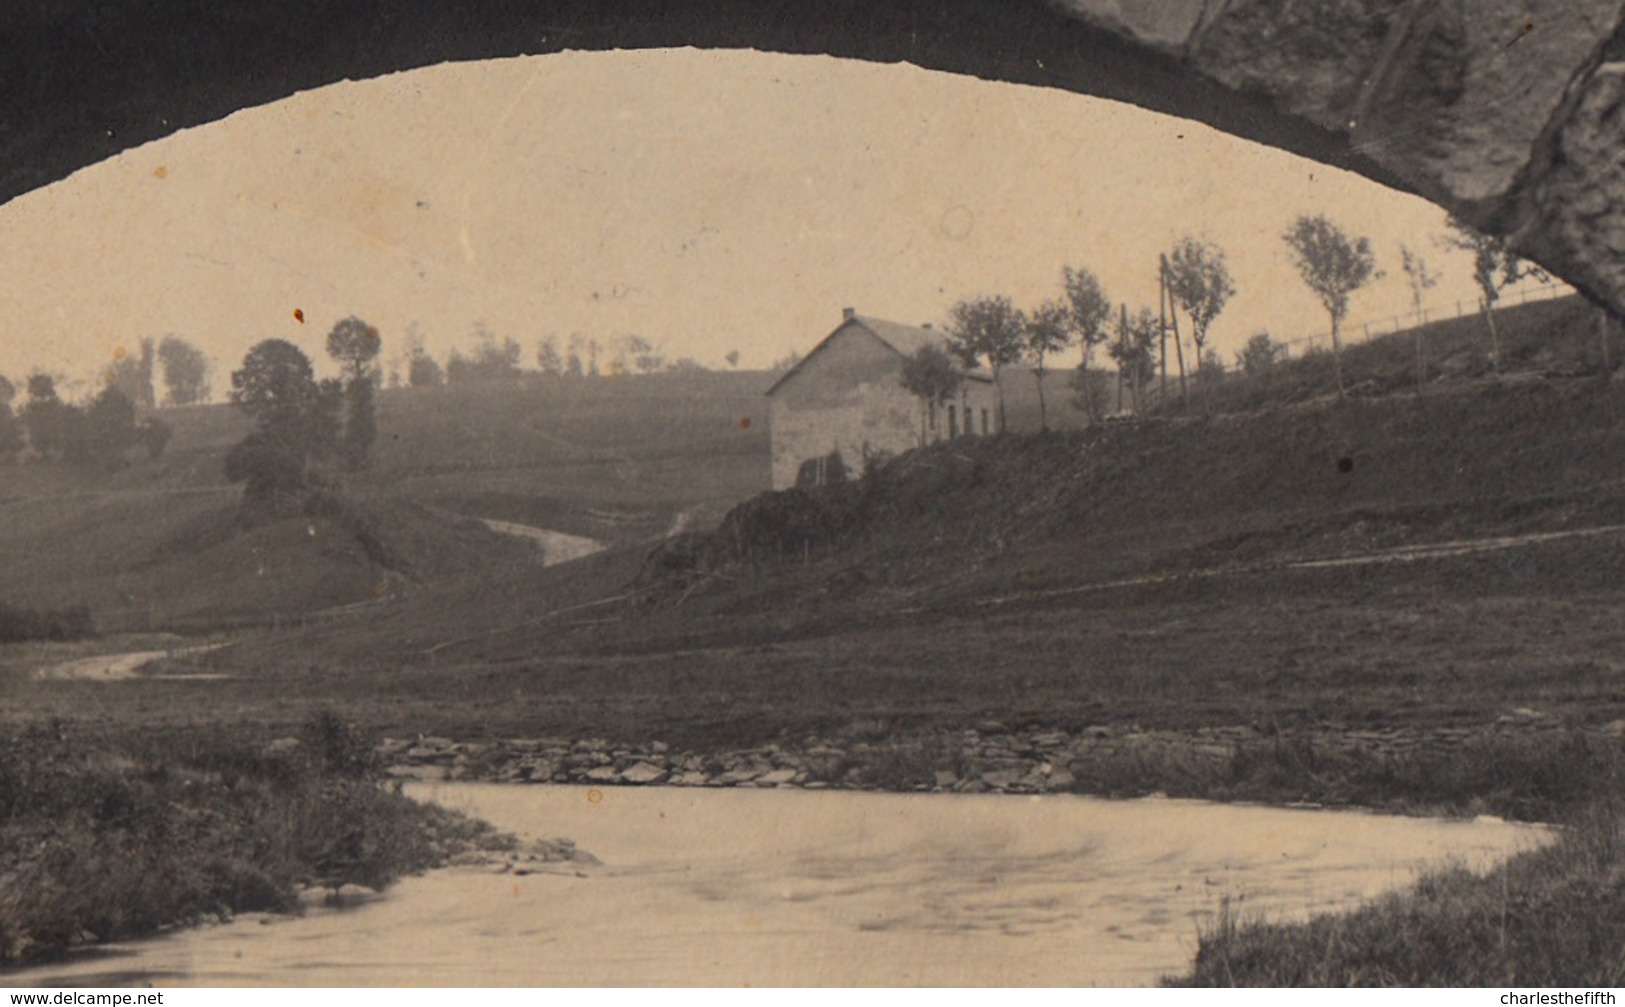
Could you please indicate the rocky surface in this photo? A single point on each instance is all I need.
(988, 758)
(1506, 112)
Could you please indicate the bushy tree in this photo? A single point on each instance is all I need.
(186, 372)
(295, 418)
(933, 377)
(110, 427)
(1199, 281)
(355, 345)
(1049, 331)
(1091, 314)
(1261, 354)
(46, 417)
(1333, 266)
(990, 330)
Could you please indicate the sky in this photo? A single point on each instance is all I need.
(709, 201)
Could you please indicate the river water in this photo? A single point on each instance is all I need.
(789, 887)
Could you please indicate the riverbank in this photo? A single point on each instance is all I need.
(106, 837)
(1553, 916)
(1523, 767)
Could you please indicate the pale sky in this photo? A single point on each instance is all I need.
(707, 200)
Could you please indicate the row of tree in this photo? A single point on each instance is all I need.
(991, 332)
(492, 358)
(1193, 278)
(98, 433)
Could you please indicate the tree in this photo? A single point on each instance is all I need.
(548, 360)
(1091, 314)
(153, 433)
(1420, 279)
(931, 376)
(1199, 281)
(110, 428)
(12, 438)
(1495, 267)
(296, 419)
(360, 421)
(132, 374)
(1333, 266)
(1133, 351)
(1049, 331)
(186, 372)
(990, 329)
(490, 360)
(45, 416)
(572, 360)
(1260, 355)
(422, 370)
(355, 345)
(642, 355)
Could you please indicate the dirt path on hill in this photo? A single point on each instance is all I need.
(1379, 557)
(557, 547)
(119, 667)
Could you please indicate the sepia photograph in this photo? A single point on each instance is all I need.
(947, 493)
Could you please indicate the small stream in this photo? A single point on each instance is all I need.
(791, 887)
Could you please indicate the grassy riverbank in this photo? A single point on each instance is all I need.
(1549, 917)
(116, 836)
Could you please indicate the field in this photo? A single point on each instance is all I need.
(160, 545)
(1436, 571)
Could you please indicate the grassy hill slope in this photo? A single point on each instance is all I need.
(160, 543)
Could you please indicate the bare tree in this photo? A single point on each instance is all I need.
(1421, 279)
(1199, 281)
(1049, 331)
(1333, 266)
(1091, 313)
(1495, 267)
(990, 329)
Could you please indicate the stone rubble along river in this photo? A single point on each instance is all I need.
(988, 758)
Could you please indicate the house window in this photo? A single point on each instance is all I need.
(984, 421)
(953, 423)
(932, 409)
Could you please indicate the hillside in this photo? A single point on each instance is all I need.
(160, 543)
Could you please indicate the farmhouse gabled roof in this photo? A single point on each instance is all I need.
(904, 340)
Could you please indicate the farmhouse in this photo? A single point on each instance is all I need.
(844, 401)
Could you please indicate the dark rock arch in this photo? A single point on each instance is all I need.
(1510, 113)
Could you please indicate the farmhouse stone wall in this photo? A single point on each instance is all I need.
(848, 397)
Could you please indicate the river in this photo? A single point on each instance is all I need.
(791, 887)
